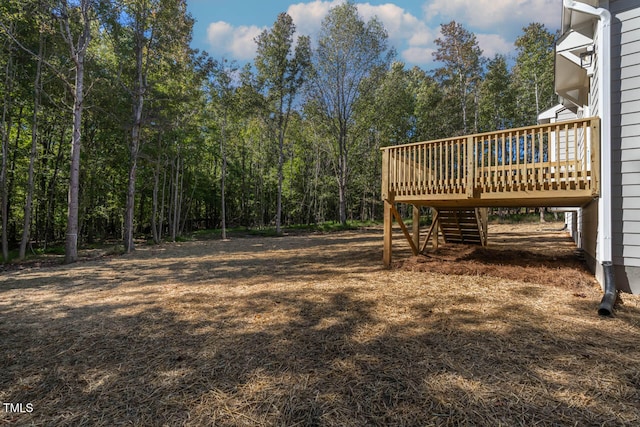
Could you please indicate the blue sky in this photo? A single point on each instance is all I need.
(226, 29)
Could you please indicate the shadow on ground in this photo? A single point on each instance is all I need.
(194, 335)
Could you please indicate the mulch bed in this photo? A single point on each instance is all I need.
(561, 270)
(311, 330)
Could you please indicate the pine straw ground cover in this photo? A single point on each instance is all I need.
(311, 330)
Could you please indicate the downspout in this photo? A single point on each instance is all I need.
(605, 228)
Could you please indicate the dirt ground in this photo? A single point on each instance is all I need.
(311, 330)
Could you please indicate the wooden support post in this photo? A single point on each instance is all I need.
(595, 157)
(470, 170)
(388, 231)
(416, 226)
(434, 227)
(385, 174)
(405, 231)
(482, 219)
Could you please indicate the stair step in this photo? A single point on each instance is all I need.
(460, 226)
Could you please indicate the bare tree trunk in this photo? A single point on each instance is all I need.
(154, 211)
(131, 188)
(342, 176)
(6, 126)
(244, 203)
(463, 102)
(162, 205)
(280, 180)
(176, 201)
(223, 175)
(179, 198)
(71, 242)
(138, 93)
(34, 150)
(78, 54)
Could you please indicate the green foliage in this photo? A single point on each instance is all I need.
(281, 71)
(461, 73)
(533, 73)
(497, 100)
(351, 57)
(296, 141)
(518, 216)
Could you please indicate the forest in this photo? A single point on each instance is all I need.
(114, 128)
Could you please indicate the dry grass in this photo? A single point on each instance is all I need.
(310, 330)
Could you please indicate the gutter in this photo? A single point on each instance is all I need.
(605, 228)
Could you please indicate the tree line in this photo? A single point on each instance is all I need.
(114, 128)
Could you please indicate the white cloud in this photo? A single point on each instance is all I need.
(404, 29)
(496, 24)
(308, 16)
(238, 42)
(491, 44)
(418, 55)
(494, 14)
(400, 24)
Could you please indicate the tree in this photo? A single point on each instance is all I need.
(281, 70)
(431, 121)
(75, 18)
(153, 31)
(7, 98)
(497, 100)
(222, 100)
(37, 90)
(533, 73)
(392, 108)
(78, 45)
(462, 72)
(349, 52)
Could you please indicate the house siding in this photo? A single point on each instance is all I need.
(625, 133)
(566, 115)
(588, 219)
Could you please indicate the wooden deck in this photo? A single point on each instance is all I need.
(550, 165)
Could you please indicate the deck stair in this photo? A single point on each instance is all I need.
(546, 165)
(468, 226)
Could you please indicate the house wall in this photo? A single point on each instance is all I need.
(572, 226)
(566, 115)
(588, 219)
(625, 134)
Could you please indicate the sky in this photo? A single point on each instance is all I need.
(227, 28)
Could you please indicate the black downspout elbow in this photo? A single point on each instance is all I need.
(610, 292)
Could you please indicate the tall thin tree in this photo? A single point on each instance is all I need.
(223, 101)
(281, 70)
(78, 45)
(349, 52)
(458, 50)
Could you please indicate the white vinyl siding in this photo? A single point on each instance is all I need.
(630, 262)
(632, 239)
(627, 179)
(632, 191)
(627, 95)
(625, 81)
(631, 215)
(630, 118)
(566, 115)
(633, 226)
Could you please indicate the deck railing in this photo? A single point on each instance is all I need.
(535, 161)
